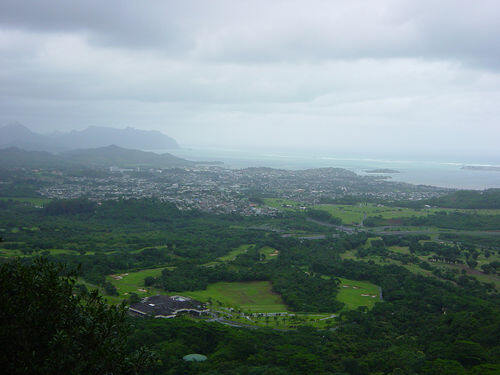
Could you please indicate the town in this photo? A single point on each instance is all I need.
(222, 190)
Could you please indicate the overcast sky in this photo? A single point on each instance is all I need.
(374, 75)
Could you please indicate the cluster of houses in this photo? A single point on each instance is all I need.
(223, 190)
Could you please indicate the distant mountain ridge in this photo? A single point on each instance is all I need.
(102, 157)
(18, 135)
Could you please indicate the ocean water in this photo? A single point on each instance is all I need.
(443, 173)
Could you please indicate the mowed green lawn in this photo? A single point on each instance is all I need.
(268, 252)
(19, 253)
(356, 213)
(133, 282)
(257, 296)
(234, 253)
(254, 296)
(358, 293)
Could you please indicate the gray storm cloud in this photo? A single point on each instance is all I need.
(400, 75)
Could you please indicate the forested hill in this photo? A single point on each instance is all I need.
(14, 157)
(469, 199)
(122, 157)
(461, 199)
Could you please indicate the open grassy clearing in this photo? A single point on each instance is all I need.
(19, 229)
(400, 249)
(358, 293)
(283, 204)
(109, 299)
(487, 278)
(269, 252)
(351, 254)
(133, 282)
(253, 296)
(355, 214)
(254, 303)
(18, 253)
(255, 299)
(474, 272)
(8, 253)
(233, 254)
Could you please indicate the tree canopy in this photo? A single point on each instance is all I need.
(47, 328)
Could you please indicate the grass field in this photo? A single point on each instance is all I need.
(400, 249)
(351, 254)
(233, 254)
(19, 253)
(255, 296)
(352, 214)
(358, 293)
(491, 278)
(129, 282)
(355, 214)
(269, 252)
(368, 242)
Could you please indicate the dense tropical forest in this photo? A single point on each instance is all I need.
(433, 315)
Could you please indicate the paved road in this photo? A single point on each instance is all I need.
(342, 228)
(307, 237)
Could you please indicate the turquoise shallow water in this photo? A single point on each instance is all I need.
(443, 173)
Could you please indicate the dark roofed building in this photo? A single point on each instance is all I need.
(161, 306)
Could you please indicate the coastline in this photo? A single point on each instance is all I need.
(436, 173)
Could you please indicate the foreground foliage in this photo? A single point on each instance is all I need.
(46, 329)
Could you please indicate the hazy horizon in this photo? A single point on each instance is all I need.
(390, 155)
(394, 78)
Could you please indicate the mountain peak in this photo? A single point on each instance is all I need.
(16, 126)
(16, 134)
